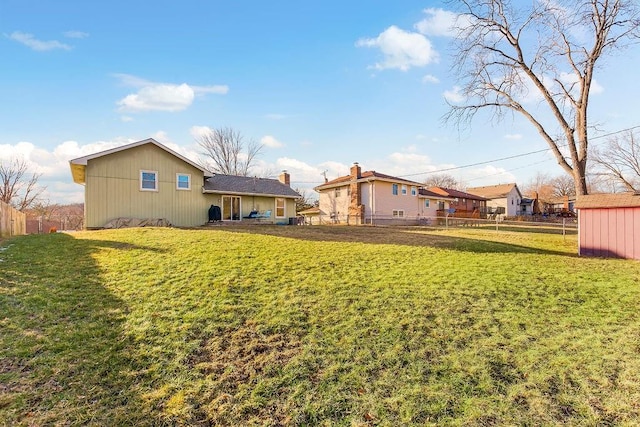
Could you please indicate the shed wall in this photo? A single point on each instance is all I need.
(612, 232)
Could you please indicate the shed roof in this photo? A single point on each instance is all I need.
(493, 191)
(615, 200)
(246, 185)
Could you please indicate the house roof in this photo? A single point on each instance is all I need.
(617, 200)
(364, 176)
(79, 164)
(455, 193)
(246, 185)
(311, 211)
(493, 191)
(431, 194)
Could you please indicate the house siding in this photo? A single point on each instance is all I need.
(379, 200)
(332, 208)
(112, 188)
(613, 232)
(257, 203)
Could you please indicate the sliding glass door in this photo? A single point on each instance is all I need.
(230, 208)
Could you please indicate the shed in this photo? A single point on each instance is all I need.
(609, 225)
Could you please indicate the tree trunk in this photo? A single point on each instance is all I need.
(579, 178)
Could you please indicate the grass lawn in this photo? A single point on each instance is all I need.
(316, 326)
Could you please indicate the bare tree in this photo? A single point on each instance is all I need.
(563, 185)
(540, 184)
(441, 180)
(619, 161)
(17, 187)
(304, 201)
(226, 151)
(516, 60)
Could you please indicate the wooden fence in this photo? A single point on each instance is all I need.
(12, 221)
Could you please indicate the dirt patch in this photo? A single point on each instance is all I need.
(241, 362)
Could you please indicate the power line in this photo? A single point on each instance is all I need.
(496, 160)
(514, 156)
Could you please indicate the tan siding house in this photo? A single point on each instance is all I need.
(146, 180)
(371, 197)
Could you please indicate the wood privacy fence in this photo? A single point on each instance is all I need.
(12, 221)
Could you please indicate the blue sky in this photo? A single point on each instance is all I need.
(320, 84)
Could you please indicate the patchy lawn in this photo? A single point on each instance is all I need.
(316, 326)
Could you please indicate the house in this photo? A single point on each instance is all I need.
(147, 180)
(609, 225)
(462, 204)
(310, 216)
(501, 199)
(559, 206)
(372, 197)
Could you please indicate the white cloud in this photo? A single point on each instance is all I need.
(76, 34)
(513, 136)
(401, 49)
(488, 175)
(198, 131)
(570, 78)
(428, 78)
(126, 119)
(438, 22)
(153, 96)
(454, 95)
(271, 142)
(161, 97)
(38, 45)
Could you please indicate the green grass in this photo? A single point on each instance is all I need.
(316, 326)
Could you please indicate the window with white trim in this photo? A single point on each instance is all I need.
(398, 213)
(183, 181)
(337, 192)
(394, 189)
(414, 191)
(148, 180)
(427, 203)
(404, 190)
(280, 207)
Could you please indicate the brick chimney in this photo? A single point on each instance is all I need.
(356, 209)
(285, 178)
(356, 172)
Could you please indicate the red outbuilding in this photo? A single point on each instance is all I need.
(609, 225)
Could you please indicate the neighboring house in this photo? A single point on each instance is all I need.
(501, 199)
(311, 216)
(371, 197)
(146, 180)
(462, 204)
(609, 225)
(563, 206)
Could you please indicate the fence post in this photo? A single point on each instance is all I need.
(496, 223)
(564, 234)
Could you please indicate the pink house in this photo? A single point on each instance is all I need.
(609, 225)
(372, 197)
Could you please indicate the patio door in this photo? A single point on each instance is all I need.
(230, 208)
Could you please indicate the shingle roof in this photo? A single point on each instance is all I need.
(492, 191)
(455, 193)
(248, 185)
(367, 175)
(427, 193)
(617, 200)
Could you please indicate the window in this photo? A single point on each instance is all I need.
(183, 181)
(398, 213)
(394, 189)
(280, 207)
(148, 180)
(414, 191)
(337, 192)
(404, 190)
(427, 203)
